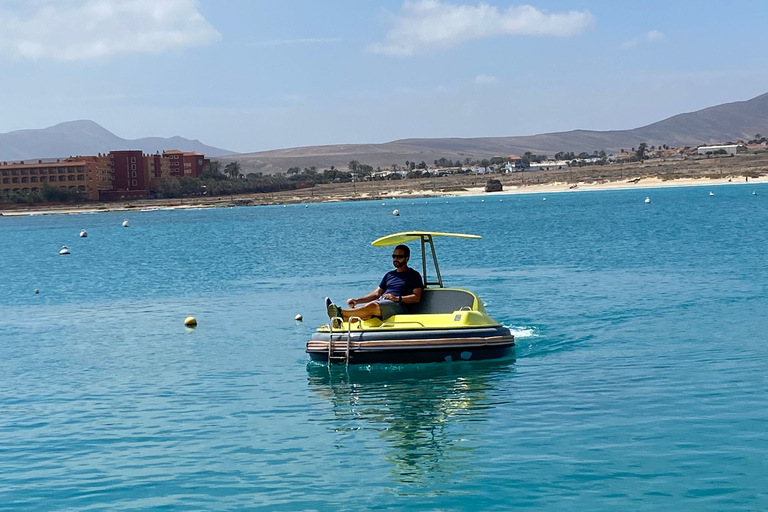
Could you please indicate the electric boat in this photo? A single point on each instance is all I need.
(448, 324)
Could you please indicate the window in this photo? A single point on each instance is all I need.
(134, 183)
(133, 167)
(71, 178)
(25, 180)
(34, 179)
(43, 171)
(24, 172)
(81, 177)
(53, 178)
(133, 174)
(62, 170)
(43, 179)
(6, 181)
(14, 180)
(133, 159)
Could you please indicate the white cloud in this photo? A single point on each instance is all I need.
(649, 37)
(431, 24)
(485, 80)
(83, 29)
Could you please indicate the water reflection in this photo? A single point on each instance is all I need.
(427, 413)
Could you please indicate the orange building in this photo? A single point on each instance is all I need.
(188, 164)
(81, 174)
(113, 176)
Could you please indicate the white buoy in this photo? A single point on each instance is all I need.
(126, 223)
(396, 213)
(383, 204)
(64, 250)
(647, 200)
(83, 233)
(298, 318)
(754, 192)
(543, 198)
(190, 321)
(711, 194)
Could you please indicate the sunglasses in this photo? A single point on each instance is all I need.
(399, 256)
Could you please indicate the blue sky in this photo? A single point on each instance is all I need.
(251, 75)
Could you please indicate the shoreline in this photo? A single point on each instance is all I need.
(289, 197)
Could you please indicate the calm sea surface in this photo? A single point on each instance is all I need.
(640, 379)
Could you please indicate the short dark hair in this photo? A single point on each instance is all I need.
(405, 249)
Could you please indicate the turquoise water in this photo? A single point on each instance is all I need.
(639, 380)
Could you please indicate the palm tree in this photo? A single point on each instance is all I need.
(233, 169)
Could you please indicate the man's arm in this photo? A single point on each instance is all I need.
(375, 294)
(407, 299)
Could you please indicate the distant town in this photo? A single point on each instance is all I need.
(131, 174)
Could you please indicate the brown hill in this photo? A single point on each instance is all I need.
(727, 122)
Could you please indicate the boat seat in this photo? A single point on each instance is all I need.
(441, 301)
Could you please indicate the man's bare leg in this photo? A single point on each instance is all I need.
(363, 312)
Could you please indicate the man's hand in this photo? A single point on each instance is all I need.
(351, 302)
(389, 296)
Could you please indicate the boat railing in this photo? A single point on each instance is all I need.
(354, 319)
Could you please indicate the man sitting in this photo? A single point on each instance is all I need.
(398, 287)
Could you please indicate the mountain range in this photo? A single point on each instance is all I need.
(87, 138)
(721, 123)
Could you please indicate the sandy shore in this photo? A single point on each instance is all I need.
(290, 197)
(644, 183)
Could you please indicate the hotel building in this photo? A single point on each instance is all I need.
(117, 175)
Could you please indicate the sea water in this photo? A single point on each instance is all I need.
(639, 380)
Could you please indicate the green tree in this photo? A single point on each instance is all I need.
(641, 151)
(232, 169)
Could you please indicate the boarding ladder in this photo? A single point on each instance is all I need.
(344, 358)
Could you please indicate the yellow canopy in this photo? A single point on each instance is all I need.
(407, 236)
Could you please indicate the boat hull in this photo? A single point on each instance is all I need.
(411, 346)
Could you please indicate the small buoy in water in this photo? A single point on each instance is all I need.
(396, 213)
(543, 198)
(37, 291)
(711, 194)
(482, 200)
(298, 318)
(647, 199)
(306, 206)
(64, 250)
(126, 223)
(83, 233)
(190, 321)
(754, 192)
(383, 204)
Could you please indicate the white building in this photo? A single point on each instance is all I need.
(730, 149)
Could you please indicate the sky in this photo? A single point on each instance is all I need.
(254, 75)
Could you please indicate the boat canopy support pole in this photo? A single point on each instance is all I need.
(427, 239)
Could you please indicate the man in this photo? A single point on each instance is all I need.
(398, 287)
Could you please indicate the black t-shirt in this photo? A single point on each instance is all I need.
(401, 283)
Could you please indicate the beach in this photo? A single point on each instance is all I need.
(747, 169)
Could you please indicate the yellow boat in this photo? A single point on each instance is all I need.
(448, 324)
